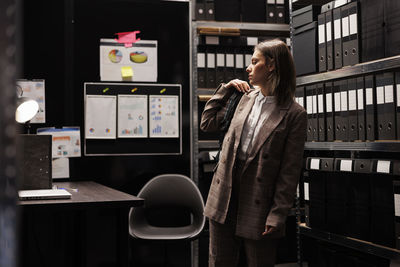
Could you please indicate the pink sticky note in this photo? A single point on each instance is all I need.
(127, 38)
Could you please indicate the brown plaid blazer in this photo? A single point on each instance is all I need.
(271, 172)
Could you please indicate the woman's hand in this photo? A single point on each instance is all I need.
(269, 230)
(239, 85)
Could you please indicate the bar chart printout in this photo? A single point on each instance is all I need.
(164, 116)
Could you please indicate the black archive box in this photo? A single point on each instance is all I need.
(34, 156)
(392, 27)
(305, 15)
(305, 51)
(253, 10)
(227, 10)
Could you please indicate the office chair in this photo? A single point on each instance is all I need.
(164, 193)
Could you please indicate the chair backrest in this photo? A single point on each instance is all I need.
(168, 190)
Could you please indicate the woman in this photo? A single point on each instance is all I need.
(255, 180)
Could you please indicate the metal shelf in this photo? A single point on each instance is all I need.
(379, 146)
(353, 243)
(349, 71)
(247, 26)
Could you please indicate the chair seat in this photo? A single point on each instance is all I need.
(164, 233)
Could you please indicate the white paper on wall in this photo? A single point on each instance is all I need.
(132, 116)
(100, 117)
(35, 90)
(164, 116)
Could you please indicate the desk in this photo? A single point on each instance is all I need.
(86, 196)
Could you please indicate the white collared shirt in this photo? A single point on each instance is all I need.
(260, 112)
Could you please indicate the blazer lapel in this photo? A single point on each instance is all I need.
(267, 128)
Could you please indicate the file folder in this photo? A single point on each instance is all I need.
(329, 107)
(220, 66)
(370, 106)
(229, 60)
(392, 27)
(354, 51)
(306, 188)
(337, 108)
(337, 33)
(222, 13)
(299, 94)
(317, 207)
(361, 109)
(201, 65)
(239, 64)
(396, 196)
(322, 43)
(280, 12)
(253, 10)
(321, 112)
(344, 11)
(397, 84)
(210, 13)
(200, 10)
(314, 112)
(210, 70)
(372, 37)
(353, 112)
(385, 106)
(271, 11)
(330, 59)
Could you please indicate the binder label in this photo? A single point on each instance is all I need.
(321, 33)
(389, 98)
(306, 192)
(309, 104)
(328, 102)
(210, 60)
(314, 104)
(345, 26)
(320, 104)
(212, 40)
(337, 29)
(220, 60)
(343, 101)
(252, 41)
(201, 60)
(337, 102)
(230, 61)
(346, 165)
(397, 205)
(328, 31)
(314, 165)
(353, 24)
(301, 101)
(360, 99)
(247, 59)
(398, 94)
(352, 100)
(239, 61)
(383, 166)
(369, 96)
(380, 99)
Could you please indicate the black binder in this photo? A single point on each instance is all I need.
(210, 10)
(372, 38)
(370, 106)
(239, 63)
(330, 58)
(253, 10)
(397, 83)
(280, 12)
(385, 106)
(392, 27)
(299, 94)
(317, 187)
(271, 11)
(337, 110)
(322, 43)
(337, 30)
(200, 10)
(396, 191)
(222, 13)
(345, 35)
(354, 51)
(352, 105)
(329, 107)
(201, 64)
(321, 112)
(361, 108)
(309, 90)
(344, 110)
(220, 65)
(210, 70)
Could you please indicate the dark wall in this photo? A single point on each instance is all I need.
(61, 45)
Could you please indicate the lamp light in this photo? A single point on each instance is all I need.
(26, 108)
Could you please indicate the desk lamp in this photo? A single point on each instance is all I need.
(26, 108)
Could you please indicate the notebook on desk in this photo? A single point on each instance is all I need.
(44, 194)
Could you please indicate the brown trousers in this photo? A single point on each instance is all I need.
(225, 245)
